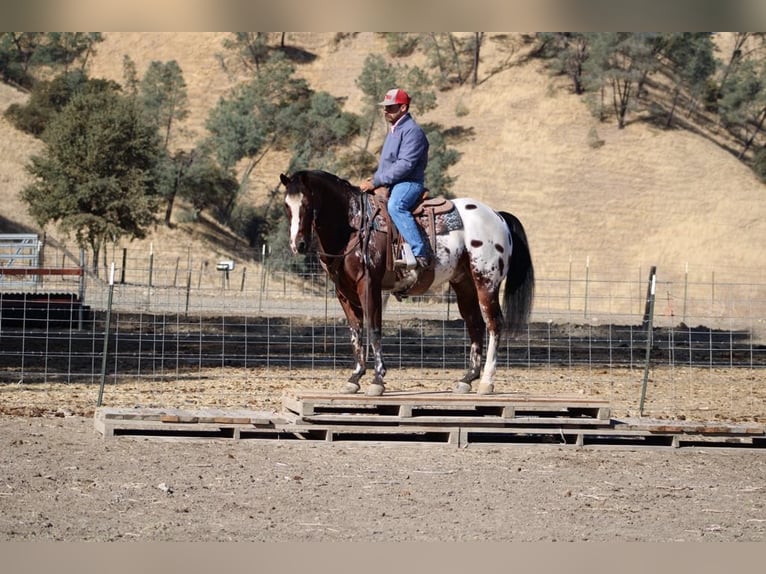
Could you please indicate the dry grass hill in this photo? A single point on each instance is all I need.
(647, 196)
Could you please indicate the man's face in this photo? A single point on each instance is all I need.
(394, 112)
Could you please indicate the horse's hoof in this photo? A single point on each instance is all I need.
(485, 389)
(375, 390)
(461, 388)
(350, 388)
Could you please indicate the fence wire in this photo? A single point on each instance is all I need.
(182, 327)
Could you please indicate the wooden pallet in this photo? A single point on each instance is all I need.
(178, 422)
(429, 418)
(445, 408)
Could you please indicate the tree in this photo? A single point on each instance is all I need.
(202, 182)
(451, 58)
(322, 130)
(256, 117)
(568, 52)
(692, 64)
(440, 158)
(63, 49)
(621, 62)
(95, 178)
(22, 53)
(743, 102)
(164, 97)
(162, 94)
(739, 53)
(376, 78)
(252, 48)
(478, 38)
(17, 50)
(48, 98)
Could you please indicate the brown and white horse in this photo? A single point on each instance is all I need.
(485, 248)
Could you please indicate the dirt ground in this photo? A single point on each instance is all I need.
(60, 480)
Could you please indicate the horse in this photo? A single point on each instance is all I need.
(484, 248)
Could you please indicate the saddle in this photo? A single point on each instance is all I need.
(429, 214)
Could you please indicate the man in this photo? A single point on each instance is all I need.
(402, 168)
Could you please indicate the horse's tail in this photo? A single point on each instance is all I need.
(520, 280)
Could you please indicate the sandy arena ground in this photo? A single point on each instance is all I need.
(60, 480)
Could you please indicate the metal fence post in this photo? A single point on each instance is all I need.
(105, 350)
(648, 321)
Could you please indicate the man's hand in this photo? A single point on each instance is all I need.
(367, 185)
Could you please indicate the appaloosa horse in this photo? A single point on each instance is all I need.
(475, 249)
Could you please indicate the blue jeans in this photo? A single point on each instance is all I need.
(403, 197)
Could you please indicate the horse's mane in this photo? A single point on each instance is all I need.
(329, 178)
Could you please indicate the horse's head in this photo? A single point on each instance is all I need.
(300, 211)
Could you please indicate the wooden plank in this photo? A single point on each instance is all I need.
(691, 427)
(16, 271)
(404, 405)
(442, 398)
(352, 419)
(178, 416)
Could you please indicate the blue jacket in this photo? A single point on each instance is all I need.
(404, 156)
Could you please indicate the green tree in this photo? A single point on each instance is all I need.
(567, 53)
(743, 102)
(95, 178)
(743, 48)
(478, 38)
(164, 97)
(376, 78)
(23, 53)
(321, 131)
(452, 58)
(202, 182)
(440, 158)
(252, 48)
(692, 64)
(256, 117)
(619, 64)
(162, 94)
(400, 44)
(61, 50)
(48, 98)
(17, 53)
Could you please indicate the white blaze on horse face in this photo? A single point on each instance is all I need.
(293, 203)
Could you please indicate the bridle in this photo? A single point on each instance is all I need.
(337, 258)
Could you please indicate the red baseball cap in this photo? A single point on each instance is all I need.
(395, 96)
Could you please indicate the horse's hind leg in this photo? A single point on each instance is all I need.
(493, 314)
(468, 305)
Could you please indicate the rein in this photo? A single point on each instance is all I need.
(337, 258)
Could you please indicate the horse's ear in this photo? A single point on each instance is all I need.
(284, 179)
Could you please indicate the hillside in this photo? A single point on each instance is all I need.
(645, 197)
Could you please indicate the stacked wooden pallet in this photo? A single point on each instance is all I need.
(429, 418)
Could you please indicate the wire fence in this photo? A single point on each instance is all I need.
(181, 326)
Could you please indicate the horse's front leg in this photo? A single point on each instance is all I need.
(372, 300)
(360, 368)
(354, 317)
(376, 342)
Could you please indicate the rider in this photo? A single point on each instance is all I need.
(402, 167)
